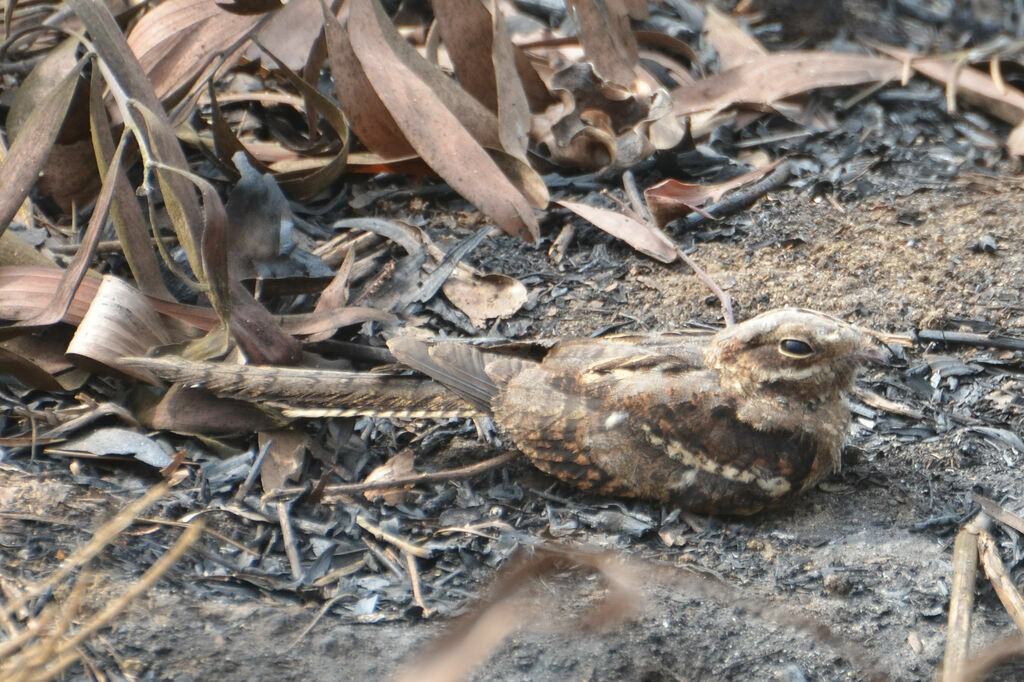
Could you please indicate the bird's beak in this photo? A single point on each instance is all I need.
(873, 352)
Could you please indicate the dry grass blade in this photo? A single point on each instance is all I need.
(103, 537)
(30, 655)
(130, 224)
(60, 654)
(131, 87)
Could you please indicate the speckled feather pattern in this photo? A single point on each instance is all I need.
(729, 423)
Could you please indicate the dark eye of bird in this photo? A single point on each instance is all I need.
(795, 348)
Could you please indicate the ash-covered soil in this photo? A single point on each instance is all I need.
(850, 582)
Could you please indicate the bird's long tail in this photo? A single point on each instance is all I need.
(299, 392)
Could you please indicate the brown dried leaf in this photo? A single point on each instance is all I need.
(185, 410)
(69, 176)
(484, 297)
(781, 75)
(734, 44)
(671, 199)
(291, 31)
(286, 456)
(465, 29)
(30, 149)
(442, 123)
(27, 290)
(607, 40)
(399, 466)
(643, 237)
(180, 42)
(369, 117)
(19, 363)
(120, 322)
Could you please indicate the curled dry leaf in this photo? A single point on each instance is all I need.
(27, 290)
(176, 42)
(119, 322)
(598, 122)
(116, 441)
(644, 237)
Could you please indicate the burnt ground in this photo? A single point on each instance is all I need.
(867, 554)
(901, 218)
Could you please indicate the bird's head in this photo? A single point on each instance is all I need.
(803, 354)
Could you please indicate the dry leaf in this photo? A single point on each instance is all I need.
(119, 322)
(116, 441)
(285, 458)
(442, 123)
(484, 297)
(781, 75)
(735, 45)
(399, 466)
(177, 42)
(671, 199)
(643, 237)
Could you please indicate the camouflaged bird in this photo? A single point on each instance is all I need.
(724, 423)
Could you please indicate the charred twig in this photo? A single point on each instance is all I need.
(636, 201)
(381, 534)
(961, 600)
(291, 548)
(1000, 579)
(738, 199)
(417, 591)
(432, 477)
(970, 339)
(996, 511)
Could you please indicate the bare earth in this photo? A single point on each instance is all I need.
(867, 555)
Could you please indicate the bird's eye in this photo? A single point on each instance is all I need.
(795, 348)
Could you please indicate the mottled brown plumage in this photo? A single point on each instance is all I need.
(726, 423)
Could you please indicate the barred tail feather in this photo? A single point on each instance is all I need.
(299, 392)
